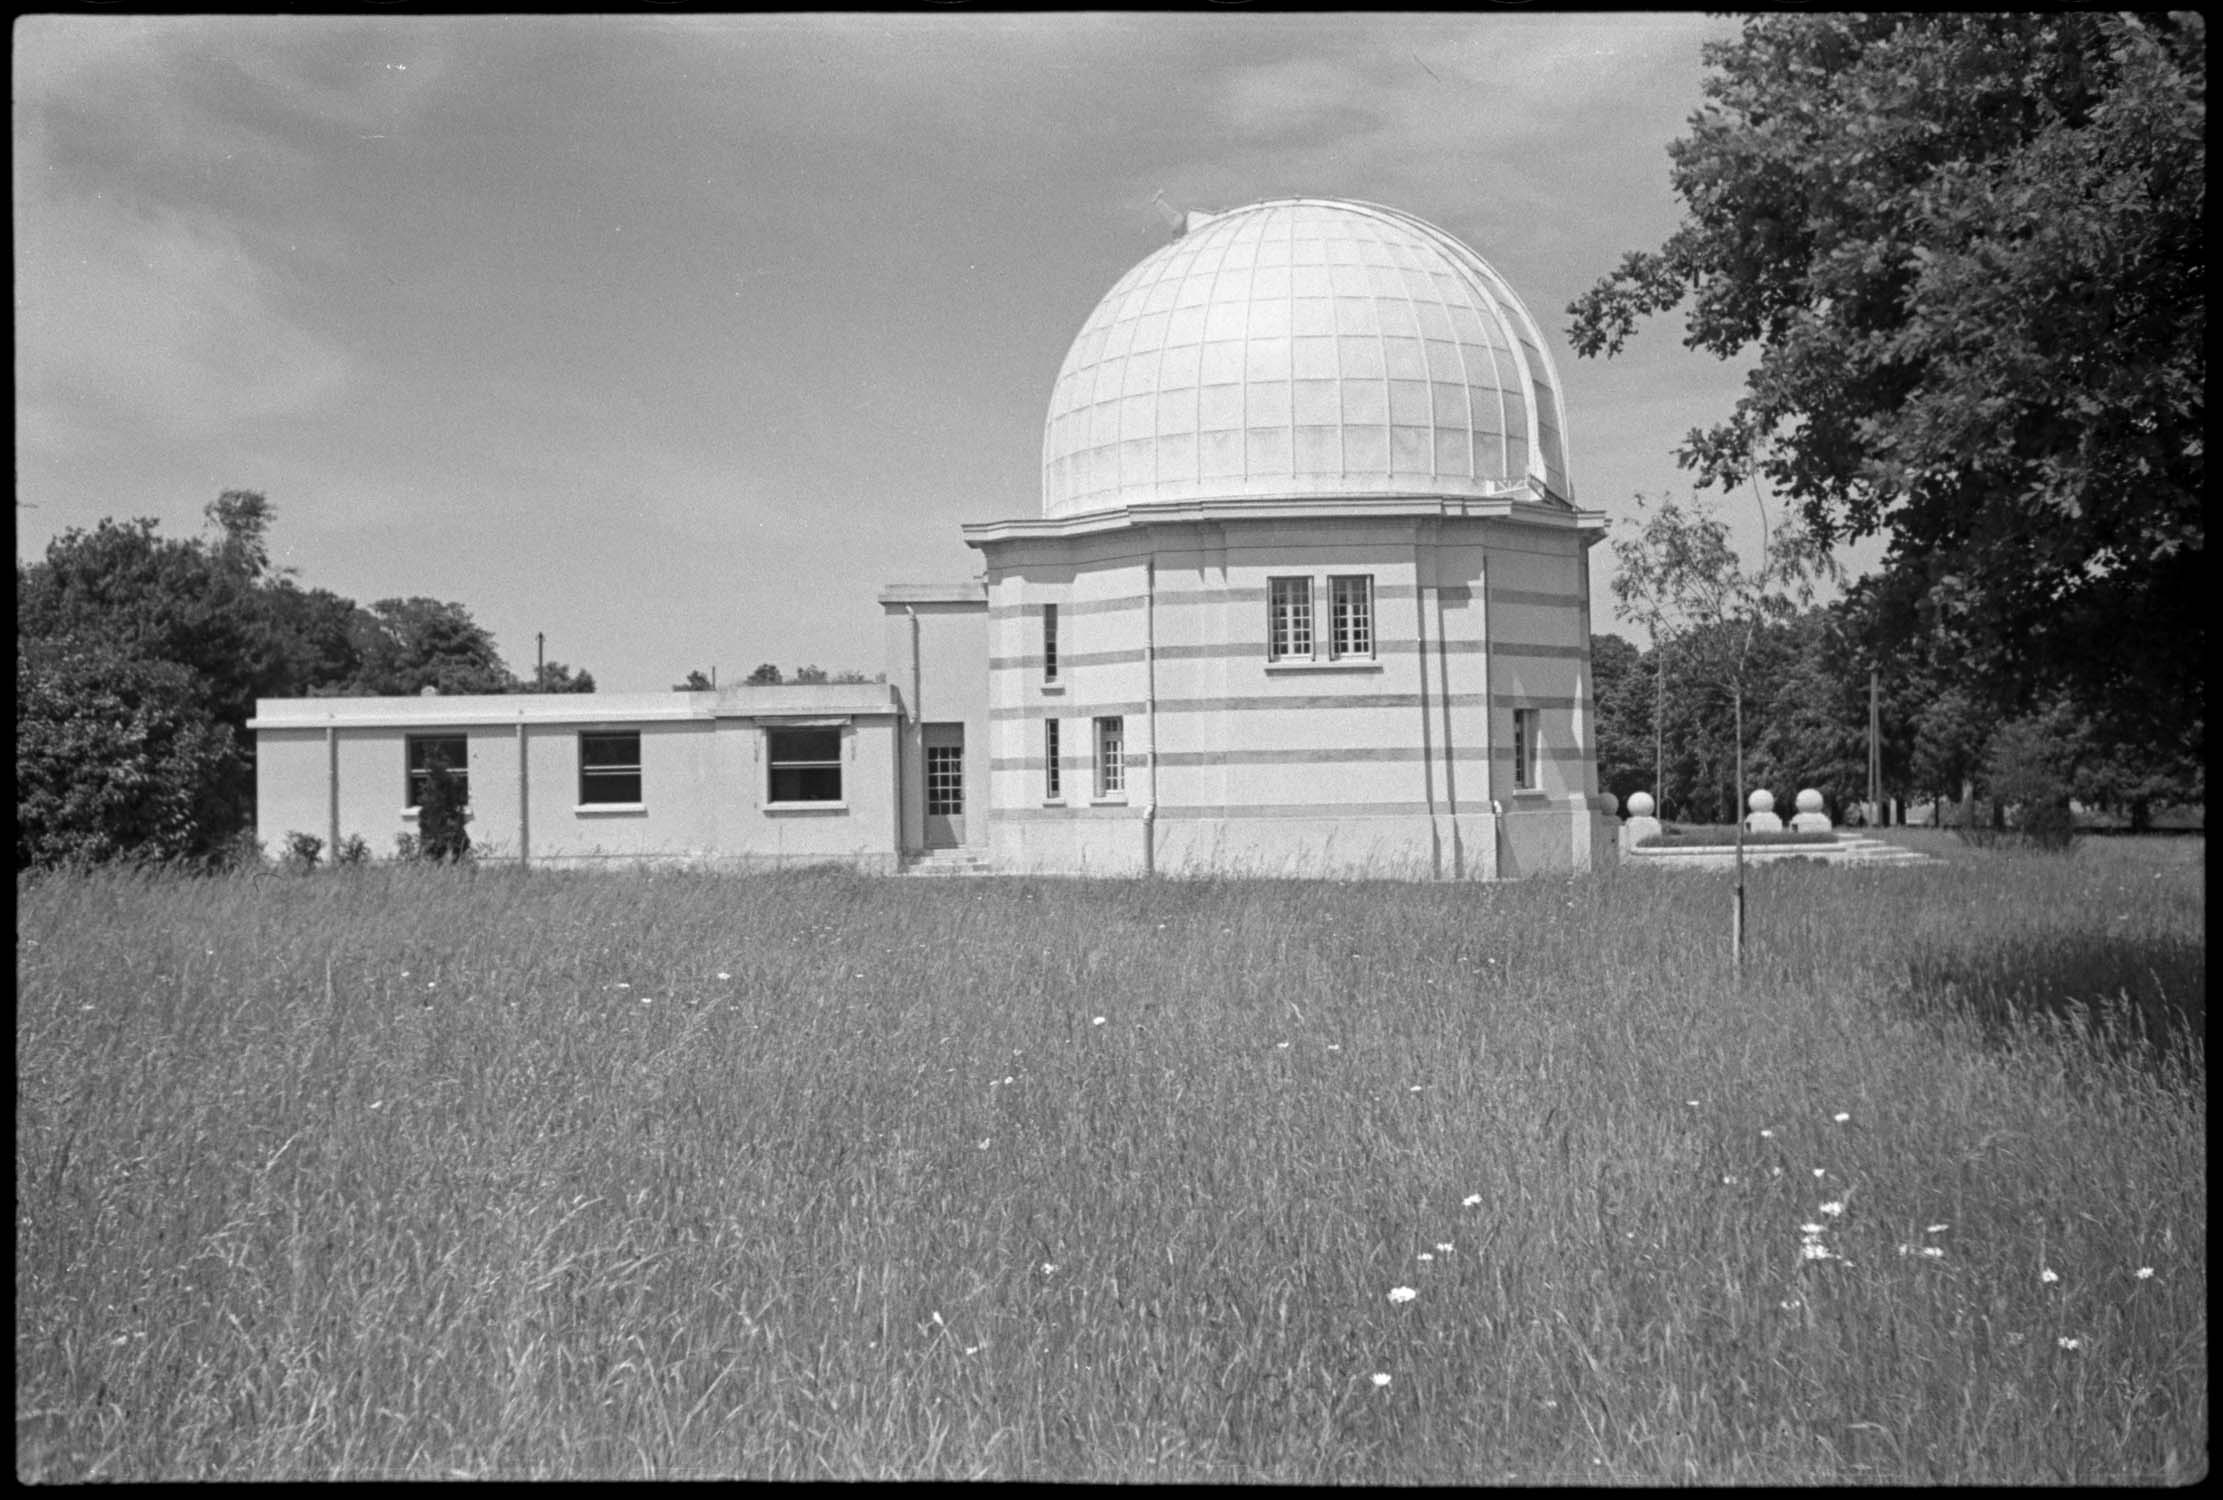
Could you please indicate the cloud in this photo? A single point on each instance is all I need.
(155, 317)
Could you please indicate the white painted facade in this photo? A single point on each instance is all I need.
(1309, 595)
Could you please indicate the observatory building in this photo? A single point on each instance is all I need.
(1309, 595)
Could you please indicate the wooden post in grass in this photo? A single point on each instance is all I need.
(1736, 911)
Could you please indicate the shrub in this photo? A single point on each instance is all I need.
(351, 852)
(303, 850)
(441, 836)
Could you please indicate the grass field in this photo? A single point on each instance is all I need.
(428, 1172)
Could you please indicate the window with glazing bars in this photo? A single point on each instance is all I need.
(453, 751)
(1053, 783)
(1111, 761)
(1289, 619)
(1049, 643)
(1351, 615)
(945, 780)
(804, 765)
(1524, 749)
(610, 767)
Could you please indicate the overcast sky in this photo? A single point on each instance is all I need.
(678, 337)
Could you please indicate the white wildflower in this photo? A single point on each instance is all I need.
(1381, 1378)
(2145, 1273)
(1097, 1022)
(1932, 1252)
(1402, 1294)
(1443, 1247)
(2068, 1343)
(2049, 1276)
(1841, 1117)
(1937, 1229)
(1767, 1135)
(1833, 1209)
(1424, 1256)
(1810, 1230)
(1470, 1200)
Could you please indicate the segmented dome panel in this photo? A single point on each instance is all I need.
(1305, 348)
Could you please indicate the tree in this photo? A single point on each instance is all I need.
(241, 519)
(695, 683)
(765, 675)
(1621, 690)
(408, 645)
(555, 677)
(1968, 253)
(1678, 575)
(157, 599)
(117, 757)
(809, 674)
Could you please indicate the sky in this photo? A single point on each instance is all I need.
(676, 338)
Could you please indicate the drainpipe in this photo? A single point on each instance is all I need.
(332, 785)
(524, 799)
(1150, 713)
(917, 737)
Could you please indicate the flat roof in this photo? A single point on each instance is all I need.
(974, 591)
(768, 701)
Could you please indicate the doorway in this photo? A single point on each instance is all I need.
(945, 785)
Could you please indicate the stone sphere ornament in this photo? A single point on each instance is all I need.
(1811, 818)
(1640, 804)
(1762, 818)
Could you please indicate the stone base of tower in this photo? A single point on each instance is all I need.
(1562, 835)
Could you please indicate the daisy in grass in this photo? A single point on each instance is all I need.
(1402, 1294)
(1381, 1378)
(2049, 1276)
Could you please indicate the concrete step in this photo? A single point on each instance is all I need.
(948, 862)
(1862, 850)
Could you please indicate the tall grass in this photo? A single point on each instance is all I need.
(431, 1172)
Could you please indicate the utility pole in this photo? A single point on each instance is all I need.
(1875, 759)
(540, 661)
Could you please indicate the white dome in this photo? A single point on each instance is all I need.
(1309, 348)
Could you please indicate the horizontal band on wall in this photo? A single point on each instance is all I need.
(1529, 652)
(1326, 812)
(1535, 600)
(1251, 651)
(1249, 759)
(1283, 703)
(1179, 598)
(1255, 759)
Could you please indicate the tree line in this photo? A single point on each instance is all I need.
(1664, 726)
(139, 658)
(1963, 258)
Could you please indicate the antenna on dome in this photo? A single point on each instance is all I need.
(1175, 219)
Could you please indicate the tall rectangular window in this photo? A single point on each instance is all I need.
(452, 750)
(1111, 757)
(805, 765)
(945, 781)
(1351, 615)
(1053, 781)
(610, 767)
(1049, 643)
(1524, 749)
(1289, 619)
